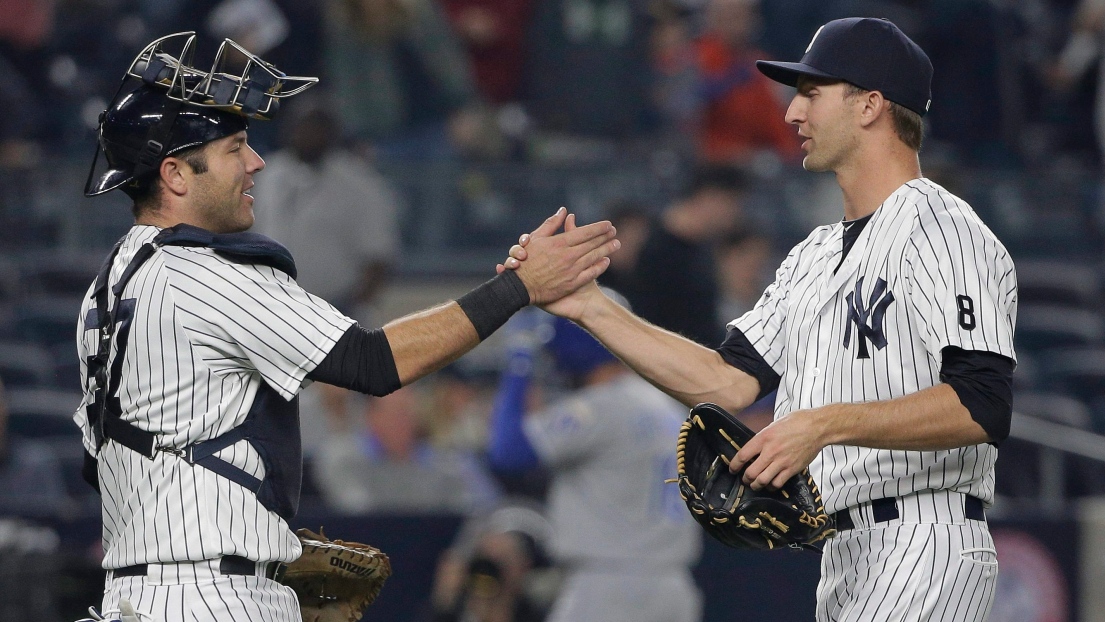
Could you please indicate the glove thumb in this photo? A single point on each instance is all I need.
(126, 611)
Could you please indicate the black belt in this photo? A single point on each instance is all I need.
(887, 510)
(229, 564)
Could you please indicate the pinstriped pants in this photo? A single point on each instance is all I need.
(929, 565)
(209, 596)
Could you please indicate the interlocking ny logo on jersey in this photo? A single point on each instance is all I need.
(869, 319)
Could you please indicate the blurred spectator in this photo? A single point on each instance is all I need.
(337, 216)
(622, 535)
(460, 403)
(494, 33)
(1083, 51)
(401, 78)
(335, 213)
(788, 25)
(26, 23)
(743, 272)
(742, 113)
(589, 68)
(493, 586)
(976, 92)
(634, 222)
(391, 467)
(257, 25)
(676, 274)
(18, 125)
(496, 569)
(675, 66)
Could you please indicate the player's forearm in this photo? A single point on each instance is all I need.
(928, 420)
(426, 341)
(685, 370)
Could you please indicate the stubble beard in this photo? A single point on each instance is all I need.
(831, 156)
(226, 214)
(814, 164)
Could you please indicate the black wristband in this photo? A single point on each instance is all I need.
(490, 305)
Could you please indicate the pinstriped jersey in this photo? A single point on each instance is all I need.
(923, 275)
(204, 334)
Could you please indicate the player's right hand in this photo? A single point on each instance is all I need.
(553, 264)
(572, 305)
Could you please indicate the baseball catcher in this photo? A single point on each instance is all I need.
(335, 580)
(730, 511)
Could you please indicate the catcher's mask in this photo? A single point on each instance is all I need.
(164, 105)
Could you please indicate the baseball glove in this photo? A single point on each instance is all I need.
(728, 510)
(335, 580)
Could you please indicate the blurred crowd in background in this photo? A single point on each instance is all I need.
(442, 129)
(528, 80)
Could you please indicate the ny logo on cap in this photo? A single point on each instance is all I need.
(810, 46)
(869, 319)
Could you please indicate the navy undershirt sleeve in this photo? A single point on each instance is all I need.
(984, 383)
(361, 360)
(982, 380)
(739, 352)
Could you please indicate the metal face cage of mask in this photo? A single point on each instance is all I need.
(165, 105)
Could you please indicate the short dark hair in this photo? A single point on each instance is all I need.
(716, 177)
(145, 190)
(907, 124)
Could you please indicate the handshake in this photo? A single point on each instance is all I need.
(559, 261)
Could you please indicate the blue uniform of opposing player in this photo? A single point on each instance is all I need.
(622, 535)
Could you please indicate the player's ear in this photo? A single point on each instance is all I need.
(173, 172)
(872, 106)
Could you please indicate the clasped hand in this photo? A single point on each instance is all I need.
(554, 265)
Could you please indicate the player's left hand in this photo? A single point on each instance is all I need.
(781, 450)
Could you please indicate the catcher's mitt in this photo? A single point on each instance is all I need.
(732, 512)
(335, 580)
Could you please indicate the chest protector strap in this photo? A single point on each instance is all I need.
(272, 425)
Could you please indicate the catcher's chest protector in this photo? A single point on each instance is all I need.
(272, 424)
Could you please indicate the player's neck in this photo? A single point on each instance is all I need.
(870, 180)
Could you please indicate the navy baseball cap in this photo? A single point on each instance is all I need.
(868, 52)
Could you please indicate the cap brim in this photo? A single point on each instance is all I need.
(788, 73)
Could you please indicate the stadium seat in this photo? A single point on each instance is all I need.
(59, 274)
(1059, 283)
(25, 365)
(1079, 372)
(48, 320)
(1045, 327)
(1028, 470)
(1054, 407)
(1027, 375)
(42, 412)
